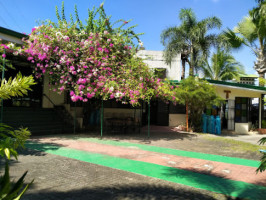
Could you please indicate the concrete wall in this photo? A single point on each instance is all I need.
(177, 119)
(56, 98)
(242, 128)
(155, 59)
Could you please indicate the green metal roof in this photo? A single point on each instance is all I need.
(239, 85)
(249, 76)
(12, 33)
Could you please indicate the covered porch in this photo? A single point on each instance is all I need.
(243, 110)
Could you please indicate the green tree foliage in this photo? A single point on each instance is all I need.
(191, 39)
(251, 32)
(223, 66)
(197, 95)
(9, 190)
(262, 166)
(11, 139)
(98, 22)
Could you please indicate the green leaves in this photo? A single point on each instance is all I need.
(191, 39)
(11, 140)
(7, 153)
(223, 67)
(262, 141)
(251, 32)
(262, 166)
(18, 86)
(233, 39)
(98, 22)
(197, 94)
(9, 190)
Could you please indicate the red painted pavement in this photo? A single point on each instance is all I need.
(225, 170)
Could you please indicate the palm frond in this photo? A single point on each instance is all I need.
(18, 86)
(233, 39)
(247, 29)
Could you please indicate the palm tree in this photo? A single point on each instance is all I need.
(251, 32)
(190, 39)
(223, 67)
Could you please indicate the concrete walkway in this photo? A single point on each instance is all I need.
(226, 175)
(253, 139)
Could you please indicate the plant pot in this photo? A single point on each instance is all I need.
(262, 130)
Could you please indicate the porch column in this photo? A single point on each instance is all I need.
(260, 110)
(231, 115)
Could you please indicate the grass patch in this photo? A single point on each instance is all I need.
(235, 144)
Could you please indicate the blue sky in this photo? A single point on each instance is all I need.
(152, 16)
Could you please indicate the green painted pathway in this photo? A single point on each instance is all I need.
(176, 152)
(197, 180)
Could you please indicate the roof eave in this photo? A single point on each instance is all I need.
(240, 88)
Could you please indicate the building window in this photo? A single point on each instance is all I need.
(241, 110)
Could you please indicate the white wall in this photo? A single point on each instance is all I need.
(177, 119)
(155, 59)
(56, 98)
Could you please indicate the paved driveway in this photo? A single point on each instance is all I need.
(56, 178)
(82, 168)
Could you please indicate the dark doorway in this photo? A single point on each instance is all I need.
(159, 113)
(154, 108)
(162, 113)
(224, 115)
(254, 112)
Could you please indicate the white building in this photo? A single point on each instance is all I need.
(155, 60)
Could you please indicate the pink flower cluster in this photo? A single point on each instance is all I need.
(91, 65)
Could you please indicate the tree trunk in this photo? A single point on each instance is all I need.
(191, 70)
(261, 79)
(192, 63)
(187, 117)
(183, 69)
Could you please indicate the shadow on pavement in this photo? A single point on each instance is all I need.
(163, 133)
(140, 192)
(219, 184)
(38, 149)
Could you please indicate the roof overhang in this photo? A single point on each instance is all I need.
(11, 36)
(239, 88)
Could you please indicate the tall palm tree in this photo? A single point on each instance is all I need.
(223, 67)
(190, 39)
(251, 32)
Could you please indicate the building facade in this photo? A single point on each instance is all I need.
(242, 111)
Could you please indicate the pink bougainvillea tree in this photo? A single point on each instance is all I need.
(95, 64)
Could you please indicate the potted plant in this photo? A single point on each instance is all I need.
(262, 130)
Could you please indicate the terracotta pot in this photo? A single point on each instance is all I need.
(262, 130)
